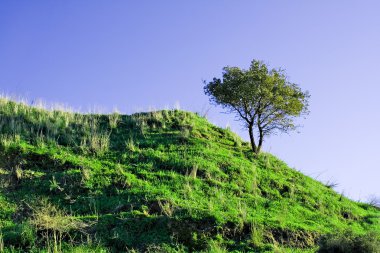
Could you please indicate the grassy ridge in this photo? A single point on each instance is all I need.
(165, 181)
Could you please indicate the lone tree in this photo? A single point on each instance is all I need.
(262, 98)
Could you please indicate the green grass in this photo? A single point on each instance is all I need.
(164, 181)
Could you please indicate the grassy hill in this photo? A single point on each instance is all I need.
(164, 181)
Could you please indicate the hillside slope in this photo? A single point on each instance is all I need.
(165, 181)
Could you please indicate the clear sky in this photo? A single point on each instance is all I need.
(141, 54)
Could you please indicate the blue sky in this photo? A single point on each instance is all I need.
(136, 55)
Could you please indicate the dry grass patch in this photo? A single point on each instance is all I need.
(54, 225)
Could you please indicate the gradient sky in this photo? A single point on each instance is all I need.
(136, 55)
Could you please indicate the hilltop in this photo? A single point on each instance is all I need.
(163, 181)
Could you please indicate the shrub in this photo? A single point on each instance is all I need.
(348, 242)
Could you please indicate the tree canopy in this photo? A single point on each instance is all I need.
(262, 98)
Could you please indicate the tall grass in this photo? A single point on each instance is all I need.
(257, 234)
(114, 119)
(215, 247)
(1, 242)
(41, 125)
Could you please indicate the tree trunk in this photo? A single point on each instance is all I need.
(252, 139)
(261, 138)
